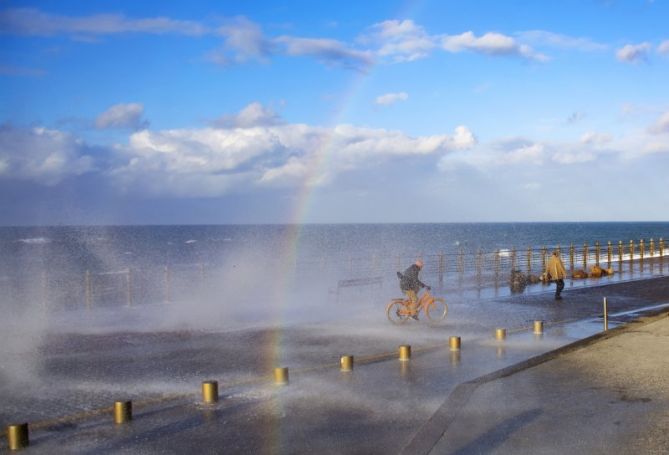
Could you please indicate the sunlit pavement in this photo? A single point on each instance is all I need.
(377, 408)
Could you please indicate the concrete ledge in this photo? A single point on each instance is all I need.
(431, 432)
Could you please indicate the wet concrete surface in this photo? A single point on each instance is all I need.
(74, 378)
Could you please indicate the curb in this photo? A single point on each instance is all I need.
(427, 437)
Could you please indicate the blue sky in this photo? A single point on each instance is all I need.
(300, 111)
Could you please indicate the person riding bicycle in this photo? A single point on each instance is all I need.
(410, 284)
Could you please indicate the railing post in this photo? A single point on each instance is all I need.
(128, 281)
(571, 258)
(651, 248)
(441, 270)
(597, 251)
(513, 258)
(168, 284)
(461, 265)
(621, 251)
(609, 254)
(88, 290)
(661, 247)
(479, 267)
(631, 255)
(585, 257)
(529, 261)
(543, 259)
(497, 267)
(606, 315)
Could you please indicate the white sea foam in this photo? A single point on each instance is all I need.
(190, 241)
(35, 240)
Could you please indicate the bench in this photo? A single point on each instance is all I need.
(359, 282)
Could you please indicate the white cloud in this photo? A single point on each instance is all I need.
(661, 125)
(391, 98)
(122, 116)
(255, 114)
(546, 38)
(328, 51)
(632, 53)
(595, 139)
(33, 22)
(213, 161)
(41, 155)
(490, 43)
(244, 39)
(663, 48)
(400, 40)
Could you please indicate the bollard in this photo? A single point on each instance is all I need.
(405, 352)
(606, 315)
(346, 363)
(210, 391)
(122, 411)
(281, 376)
(500, 334)
(538, 327)
(17, 436)
(454, 343)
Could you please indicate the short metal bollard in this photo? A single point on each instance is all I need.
(538, 327)
(454, 343)
(346, 363)
(606, 315)
(405, 352)
(17, 436)
(122, 411)
(281, 376)
(210, 391)
(500, 334)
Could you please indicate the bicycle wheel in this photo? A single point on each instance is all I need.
(394, 312)
(437, 310)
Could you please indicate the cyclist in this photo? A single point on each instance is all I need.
(410, 284)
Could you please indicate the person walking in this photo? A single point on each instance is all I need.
(556, 272)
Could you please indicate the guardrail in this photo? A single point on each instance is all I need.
(455, 271)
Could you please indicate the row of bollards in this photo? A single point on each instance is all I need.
(18, 438)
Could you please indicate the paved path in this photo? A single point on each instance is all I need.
(608, 394)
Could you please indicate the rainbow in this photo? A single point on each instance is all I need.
(302, 202)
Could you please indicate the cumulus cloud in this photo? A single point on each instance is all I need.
(400, 40)
(328, 51)
(391, 98)
(41, 155)
(661, 125)
(490, 43)
(33, 22)
(122, 116)
(252, 151)
(633, 53)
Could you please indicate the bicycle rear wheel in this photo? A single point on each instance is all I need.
(394, 312)
(437, 310)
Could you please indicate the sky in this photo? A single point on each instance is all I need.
(210, 112)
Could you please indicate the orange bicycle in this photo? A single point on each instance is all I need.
(399, 310)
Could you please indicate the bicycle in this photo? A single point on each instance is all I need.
(399, 310)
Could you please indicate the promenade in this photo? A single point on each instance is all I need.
(573, 389)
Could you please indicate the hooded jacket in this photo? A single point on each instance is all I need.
(409, 279)
(555, 268)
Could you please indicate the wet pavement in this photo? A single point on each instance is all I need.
(66, 388)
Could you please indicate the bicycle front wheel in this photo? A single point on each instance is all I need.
(395, 314)
(437, 310)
